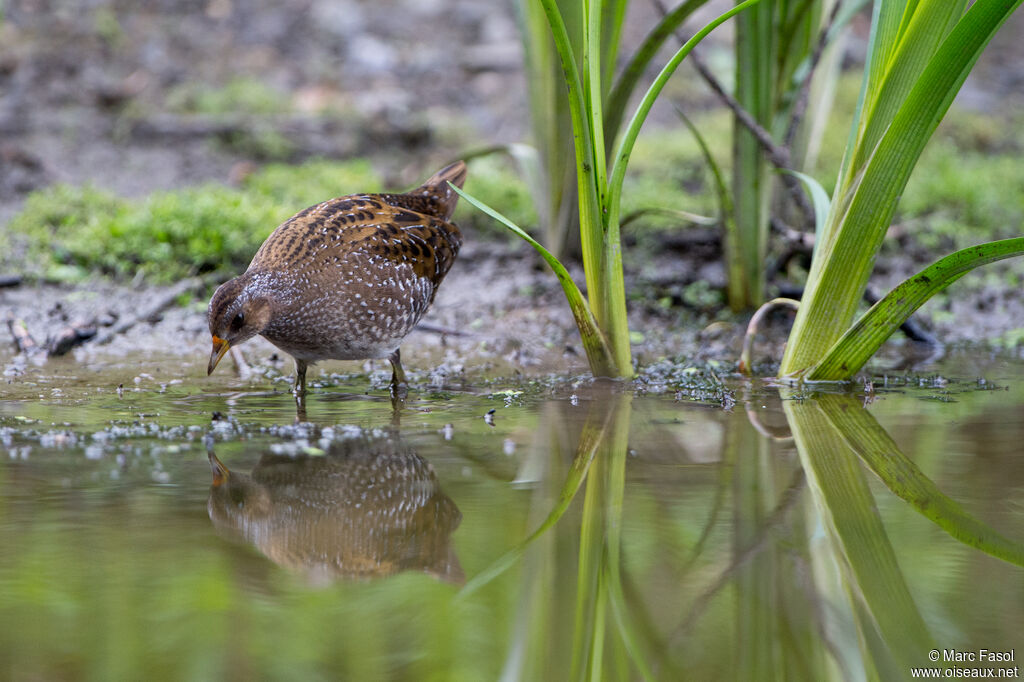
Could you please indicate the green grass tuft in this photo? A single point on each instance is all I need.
(238, 96)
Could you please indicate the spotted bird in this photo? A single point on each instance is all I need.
(346, 279)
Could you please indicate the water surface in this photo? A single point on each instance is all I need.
(685, 535)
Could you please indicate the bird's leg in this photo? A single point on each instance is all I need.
(399, 388)
(300, 378)
(300, 390)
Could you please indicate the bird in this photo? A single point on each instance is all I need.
(346, 279)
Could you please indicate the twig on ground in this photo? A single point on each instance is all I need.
(167, 300)
(23, 341)
(244, 371)
(76, 333)
(438, 329)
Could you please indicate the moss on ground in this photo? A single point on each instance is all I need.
(64, 232)
(969, 185)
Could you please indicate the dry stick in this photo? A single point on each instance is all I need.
(160, 305)
(440, 330)
(76, 333)
(800, 106)
(22, 339)
(778, 155)
(244, 371)
(755, 323)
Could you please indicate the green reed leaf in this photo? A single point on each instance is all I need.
(819, 200)
(863, 206)
(625, 145)
(865, 337)
(594, 343)
(625, 84)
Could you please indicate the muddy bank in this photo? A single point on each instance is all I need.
(500, 312)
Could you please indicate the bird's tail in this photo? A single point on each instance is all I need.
(441, 197)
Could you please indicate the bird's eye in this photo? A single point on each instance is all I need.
(238, 321)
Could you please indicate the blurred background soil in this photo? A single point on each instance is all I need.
(135, 98)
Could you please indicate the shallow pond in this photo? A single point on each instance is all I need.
(187, 528)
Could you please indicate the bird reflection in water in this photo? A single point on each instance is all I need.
(366, 509)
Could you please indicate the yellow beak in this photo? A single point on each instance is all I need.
(220, 347)
(220, 472)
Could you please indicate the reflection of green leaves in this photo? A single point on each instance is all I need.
(599, 578)
(859, 430)
(594, 434)
(826, 429)
(879, 592)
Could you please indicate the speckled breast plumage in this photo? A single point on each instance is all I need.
(351, 277)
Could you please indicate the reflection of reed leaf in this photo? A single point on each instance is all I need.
(878, 590)
(599, 417)
(869, 440)
(368, 508)
(640, 649)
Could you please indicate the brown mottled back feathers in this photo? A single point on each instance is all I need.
(404, 229)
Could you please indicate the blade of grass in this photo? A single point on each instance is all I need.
(551, 125)
(588, 626)
(615, 457)
(527, 161)
(600, 239)
(819, 199)
(628, 141)
(612, 20)
(684, 216)
(865, 337)
(756, 51)
(593, 338)
(583, 144)
(918, 42)
(733, 263)
(721, 189)
(858, 220)
(592, 89)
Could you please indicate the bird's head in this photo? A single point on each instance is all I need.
(236, 314)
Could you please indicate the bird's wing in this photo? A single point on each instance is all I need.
(353, 227)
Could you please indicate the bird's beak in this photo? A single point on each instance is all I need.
(220, 472)
(220, 347)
